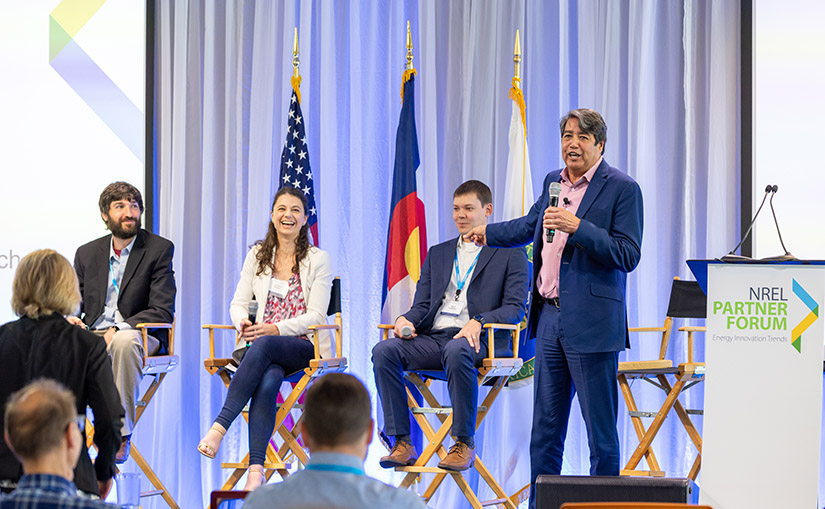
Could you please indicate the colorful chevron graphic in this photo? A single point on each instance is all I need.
(805, 297)
(87, 79)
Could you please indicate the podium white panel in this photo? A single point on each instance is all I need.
(763, 386)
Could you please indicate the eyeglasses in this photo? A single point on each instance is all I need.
(80, 420)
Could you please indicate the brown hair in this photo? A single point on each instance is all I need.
(337, 410)
(45, 283)
(269, 245)
(481, 190)
(590, 122)
(119, 191)
(36, 418)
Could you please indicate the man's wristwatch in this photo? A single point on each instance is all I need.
(479, 319)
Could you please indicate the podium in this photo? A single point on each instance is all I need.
(763, 383)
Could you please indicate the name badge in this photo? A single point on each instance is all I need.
(452, 308)
(278, 287)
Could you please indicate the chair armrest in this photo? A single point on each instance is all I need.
(502, 326)
(385, 330)
(144, 332)
(690, 329)
(491, 328)
(646, 329)
(211, 327)
(153, 325)
(315, 339)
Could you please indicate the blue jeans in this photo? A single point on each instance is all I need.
(262, 370)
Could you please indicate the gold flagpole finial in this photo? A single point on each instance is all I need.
(517, 60)
(296, 61)
(409, 48)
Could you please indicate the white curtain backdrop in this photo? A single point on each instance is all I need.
(663, 74)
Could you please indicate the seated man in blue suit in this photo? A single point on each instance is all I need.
(577, 314)
(462, 287)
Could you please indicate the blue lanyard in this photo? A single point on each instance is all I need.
(460, 281)
(114, 281)
(342, 469)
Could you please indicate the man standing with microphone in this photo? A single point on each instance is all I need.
(577, 312)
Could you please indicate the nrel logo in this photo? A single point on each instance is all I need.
(765, 311)
(813, 306)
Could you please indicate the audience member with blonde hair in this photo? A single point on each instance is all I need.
(42, 428)
(41, 343)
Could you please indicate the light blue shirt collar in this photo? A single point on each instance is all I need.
(339, 462)
(123, 252)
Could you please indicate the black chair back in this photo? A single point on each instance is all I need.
(335, 297)
(687, 300)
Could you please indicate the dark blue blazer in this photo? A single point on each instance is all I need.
(497, 291)
(595, 260)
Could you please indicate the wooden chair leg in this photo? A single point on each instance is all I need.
(493, 484)
(697, 464)
(655, 425)
(465, 488)
(692, 432)
(236, 475)
(148, 395)
(638, 425)
(150, 474)
(433, 486)
(436, 439)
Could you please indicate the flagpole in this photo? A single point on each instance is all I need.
(517, 62)
(517, 95)
(409, 48)
(296, 64)
(409, 69)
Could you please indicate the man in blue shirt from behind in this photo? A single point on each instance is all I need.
(337, 428)
(42, 429)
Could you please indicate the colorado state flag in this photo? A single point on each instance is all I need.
(407, 235)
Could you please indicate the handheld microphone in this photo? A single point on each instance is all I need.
(253, 310)
(406, 332)
(555, 191)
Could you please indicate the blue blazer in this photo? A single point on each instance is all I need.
(595, 260)
(497, 291)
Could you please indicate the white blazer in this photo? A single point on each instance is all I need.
(316, 281)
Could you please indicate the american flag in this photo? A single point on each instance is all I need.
(295, 171)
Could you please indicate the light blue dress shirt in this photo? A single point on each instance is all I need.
(332, 480)
(117, 266)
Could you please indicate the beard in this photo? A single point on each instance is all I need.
(124, 232)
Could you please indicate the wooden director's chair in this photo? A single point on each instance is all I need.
(156, 366)
(280, 459)
(494, 372)
(686, 301)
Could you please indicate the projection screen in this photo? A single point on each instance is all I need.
(73, 98)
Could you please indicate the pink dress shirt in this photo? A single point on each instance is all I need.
(548, 280)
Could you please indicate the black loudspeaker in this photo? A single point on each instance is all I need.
(554, 490)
